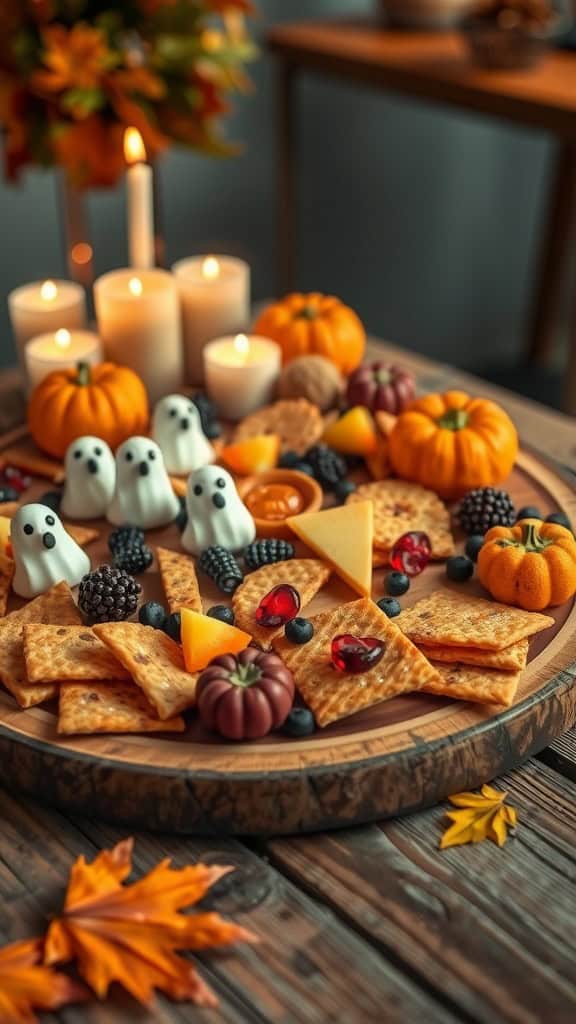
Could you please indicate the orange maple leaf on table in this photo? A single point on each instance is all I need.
(27, 985)
(480, 816)
(130, 933)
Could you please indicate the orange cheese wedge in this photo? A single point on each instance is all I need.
(254, 455)
(354, 433)
(204, 638)
(343, 538)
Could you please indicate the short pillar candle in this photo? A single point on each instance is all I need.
(241, 373)
(60, 350)
(43, 307)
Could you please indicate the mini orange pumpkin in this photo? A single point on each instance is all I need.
(108, 401)
(531, 565)
(452, 443)
(315, 324)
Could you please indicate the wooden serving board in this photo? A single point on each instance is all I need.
(401, 755)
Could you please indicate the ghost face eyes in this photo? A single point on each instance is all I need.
(50, 521)
(151, 455)
(129, 457)
(198, 490)
(173, 413)
(98, 451)
(221, 483)
(28, 529)
(78, 453)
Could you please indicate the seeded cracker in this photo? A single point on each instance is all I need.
(155, 663)
(179, 580)
(331, 694)
(307, 575)
(509, 659)
(459, 621)
(401, 507)
(6, 574)
(480, 685)
(109, 707)
(297, 422)
(55, 654)
(57, 607)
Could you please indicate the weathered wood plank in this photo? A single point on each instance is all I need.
(495, 930)
(561, 755)
(301, 971)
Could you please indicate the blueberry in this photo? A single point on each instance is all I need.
(300, 722)
(222, 612)
(473, 545)
(52, 499)
(560, 519)
(299, 631)
(153, 614)
(390, 606)
(529, 512)
(288, 460)
(9, 493)
(459, 569)
(396, 583)
(173, 625)
(343, 489)
(303, 467)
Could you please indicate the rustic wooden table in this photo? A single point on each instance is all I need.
(369, 924)
(435, 68)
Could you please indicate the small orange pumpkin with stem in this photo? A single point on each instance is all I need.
(452, 443)
(107, 400)
(315, 324)
(531, 565)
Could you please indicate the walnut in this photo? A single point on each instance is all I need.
(314, 378)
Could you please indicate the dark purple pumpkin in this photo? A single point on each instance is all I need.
(381, 386)
(245, 697)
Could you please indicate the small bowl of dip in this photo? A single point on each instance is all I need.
(272, 497)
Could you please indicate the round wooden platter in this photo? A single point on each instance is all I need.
(401, 755)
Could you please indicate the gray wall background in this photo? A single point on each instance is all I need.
(424, 220)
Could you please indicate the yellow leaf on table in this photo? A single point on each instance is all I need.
(479, 816)
(130, 933)
(27, 985)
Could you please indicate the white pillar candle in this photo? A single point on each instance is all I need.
(138, 316)
(140, 202)
(43, 307)
(215, 297)
(60, 350)
(241, 373)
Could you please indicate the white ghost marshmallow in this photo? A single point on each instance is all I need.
(44, 553)
(216, 515)
(143, 496)
(177, 428)
(90, 477)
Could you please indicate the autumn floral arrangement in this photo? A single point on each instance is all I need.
(75, 73)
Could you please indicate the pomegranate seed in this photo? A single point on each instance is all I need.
(355, 653)
(279, 606)
(411, 553)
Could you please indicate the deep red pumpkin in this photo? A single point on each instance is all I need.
(381, 386)
(245, 697)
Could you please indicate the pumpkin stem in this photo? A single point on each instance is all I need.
(84, 377)
(454, 419)
(531, 540)
(245, 675)
(307, 313)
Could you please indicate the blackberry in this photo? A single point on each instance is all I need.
(173, 627)
(529, 512)
(153, 614)
(390, 606)
(485, 507)
(289, 460)
(9, 493)
(208, 415)
(343, 490)
(474, 544)
(268, 551)
(303, 467)
(300, 722)
(396, 583)
(221, 612)
(123, 536)
(52, 499)
(221, 566)
(459, 568)
(299, 631)
(108, 595)
(134, 558)
(328, 466)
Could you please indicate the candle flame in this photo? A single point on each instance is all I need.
(241, 344)
(63, 338)
(48, 291)
(81, 253)
(210, 268)
(134, 150)
(135, 286)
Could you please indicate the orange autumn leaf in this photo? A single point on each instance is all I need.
(479, 816)
(73, 58)
(27, 985)
(130, 933)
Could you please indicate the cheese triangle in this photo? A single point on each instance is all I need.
(342, 537)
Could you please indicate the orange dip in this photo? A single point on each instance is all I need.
(274, 502)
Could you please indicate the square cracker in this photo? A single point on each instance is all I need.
(109, 707)
(6, 574)
(332, 694)
(480, 685)
(460, 621)
(55, 654)
(179, 580)
(400, 507)
(56, 606)
(307, 575)
(510, 659)
(26, 456)
(155, 663)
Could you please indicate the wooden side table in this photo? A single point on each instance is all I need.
(434, 68)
